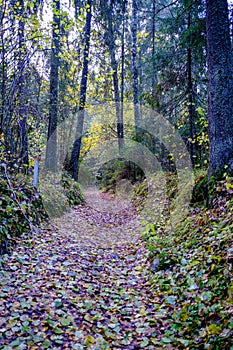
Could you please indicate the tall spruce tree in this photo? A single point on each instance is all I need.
(220, 94)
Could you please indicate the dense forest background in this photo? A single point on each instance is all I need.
(126, 105)
(59, 58)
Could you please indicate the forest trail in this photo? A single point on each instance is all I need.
(80, 283)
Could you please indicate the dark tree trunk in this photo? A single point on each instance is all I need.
(51, 150)
(114, 65)
(23, 146)
(137, 117)
(3, 73)
(76, 7)
(220, 94)
(154, 73)
(5, 118)
(190, 95)
(120, 128)
(83, 92)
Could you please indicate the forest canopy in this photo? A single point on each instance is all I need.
(75, 76)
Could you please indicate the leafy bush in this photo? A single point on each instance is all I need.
(116, 170)
(163, 185)
(59, 192)
(21, 209)
(72, 190)
(140, 193)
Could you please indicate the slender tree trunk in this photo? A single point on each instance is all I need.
(154, 73)
(3, 69)
(83, 92)
(121, 125)
(140, 76)
(231, 24)
(51, 150)
(220, 90)
(76, 7)
(190, 95)
(23, 146)
(114, 65)
(8, 87)
(137, 116)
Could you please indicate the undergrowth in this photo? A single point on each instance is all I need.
(23, 208)
(191, 273)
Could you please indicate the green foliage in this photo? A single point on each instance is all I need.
(72, 190)
(59, 192)
(200, 193)
(21, 208)
(205, 190)
(140, 193)
(116, 170)
(165, 185)
(54, 199)
(192, 272)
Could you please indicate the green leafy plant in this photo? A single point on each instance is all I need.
(21, 209)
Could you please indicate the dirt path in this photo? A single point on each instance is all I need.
(81, 283)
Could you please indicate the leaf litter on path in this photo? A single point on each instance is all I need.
(80, 283)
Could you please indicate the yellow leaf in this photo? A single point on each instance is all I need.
(212, 267)
(89, 340)
(184, 317)
(143, 311)
(229, 186)
(214, 329)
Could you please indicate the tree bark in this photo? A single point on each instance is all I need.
(220, 89)
(114, 65)
(121, 126)
(190, 95)
(3, 68)
(75, 155)
(137, 116)
(51, 149)
(23, 146)
(154, 73)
